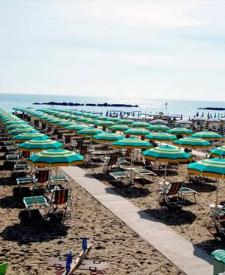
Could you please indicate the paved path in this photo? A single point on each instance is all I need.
(178, 250)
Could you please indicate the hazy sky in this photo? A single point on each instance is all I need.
(151, 49)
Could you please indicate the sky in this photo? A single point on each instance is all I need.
(136, 49)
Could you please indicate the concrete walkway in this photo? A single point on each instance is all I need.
(178, 250)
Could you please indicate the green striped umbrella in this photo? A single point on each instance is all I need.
(103, 118)
(56, 157)
(180, 131)
(167, 153)
(140, 124)
(107, 137)
(40, 145)
(114, 119)
(89, 132)
(118, 127)
(218, 152)
(137, 132)
(14, 122)
(192, 142)
(207, 135)
(22, 130)
(161, 136)
(158, 128)
(104, 123)
(29, 136)
(85, 120)
(76, 127)
(132, 143)
(214, 168)
(15, 126)
(125, 121)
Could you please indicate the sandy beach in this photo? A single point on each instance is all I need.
(28, 250)
(192, 222)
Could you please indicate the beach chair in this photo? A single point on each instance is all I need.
(20, 167)
(110, 163)
(120, 175)
(42, 175)
(143, 173)
(60, 204)
(3, 268)
(217, 214)
(172, 195)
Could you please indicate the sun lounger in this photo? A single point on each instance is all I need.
(58, 179)
(35, 201)
(12, 157)
(20, 166)
(26, 180)
(119, 175)
(143, 173)
(173, 194)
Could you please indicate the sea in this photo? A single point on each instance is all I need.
(184, 108)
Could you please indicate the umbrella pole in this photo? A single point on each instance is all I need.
(165, 171)
(217, 192)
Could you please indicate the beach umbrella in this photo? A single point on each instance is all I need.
(114, 119)
(132, 143)
(218, 152)
(55, 158)
(180, 131)
(137, 131)
(108, 137)
(214, 168)
(89, 131)
(192, 142)
(159, 121)
(29, 136)
(161, 136)
(85, 120)
(104, 123)
(167, 153)
(125, 121)
(76, 127)
(17, 126)
(40, 145)
(118, 127)
(140, 124)
(207, 135)
(14, 122)
(158, 128)
(22, 130)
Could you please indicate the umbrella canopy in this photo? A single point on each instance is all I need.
(89, 132)
(23, 130)
(158, 128)
(161, 136)
(29, 136)
(167, 153)
(207, 135)
(159, 121)
(107, 137)
(140, 124)
(39, 145)
(56, 157)
(137, 131)
(17, 126)
(104, 123)
(192, 142)
(132, 143)
(218, 152)
(180, 131)
(14, 122)
(214, 167)
(118, 127)
(76, 127)
(125, 121)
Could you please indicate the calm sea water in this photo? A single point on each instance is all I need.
(148, 106)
